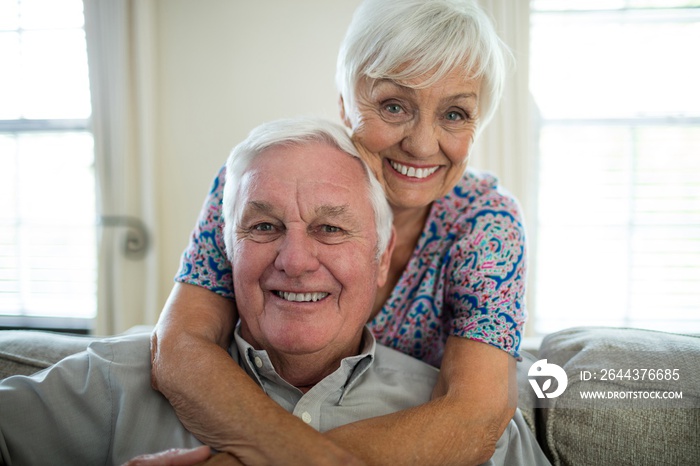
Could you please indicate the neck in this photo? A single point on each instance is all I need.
(304, 370)
(409, 223)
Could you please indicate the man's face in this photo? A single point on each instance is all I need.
(304, 257)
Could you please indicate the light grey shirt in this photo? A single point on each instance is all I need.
(98, 407)
(378, 381)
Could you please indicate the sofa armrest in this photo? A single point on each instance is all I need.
(576, 431)
(24, 352)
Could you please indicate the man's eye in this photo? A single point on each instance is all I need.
(263, 227)
(330, 229)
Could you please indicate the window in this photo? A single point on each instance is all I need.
(47, 183)
(616, 85)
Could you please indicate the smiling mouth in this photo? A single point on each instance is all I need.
(301, 297)
(413, 172)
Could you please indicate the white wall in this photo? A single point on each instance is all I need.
(225, 66)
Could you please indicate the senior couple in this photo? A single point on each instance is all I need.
(418, 80)
(309, 233)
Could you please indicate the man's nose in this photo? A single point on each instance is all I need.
(297, 254)
(421, 140)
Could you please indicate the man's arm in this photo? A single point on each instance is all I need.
(473, 401)
(215, 399)
(57, 416)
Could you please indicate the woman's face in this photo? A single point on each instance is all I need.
(416, 141)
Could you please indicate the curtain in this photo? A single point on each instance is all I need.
(508, 145)
(120, 56)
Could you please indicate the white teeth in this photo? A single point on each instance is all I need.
(301, 297)
(413, 172)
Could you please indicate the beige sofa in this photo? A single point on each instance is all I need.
(634, 430)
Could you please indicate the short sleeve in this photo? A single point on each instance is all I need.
(204, 262)
(486, 275)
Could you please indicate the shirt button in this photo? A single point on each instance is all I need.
(306, 417)
(258, 362)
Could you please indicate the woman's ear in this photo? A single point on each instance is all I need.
(343, 115)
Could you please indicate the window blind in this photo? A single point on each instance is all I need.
(619, 180)
(47, 184)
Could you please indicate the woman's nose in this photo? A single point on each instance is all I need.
(421, 140)
(297, 254)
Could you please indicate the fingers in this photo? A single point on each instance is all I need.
(174, 457)
(221, 459)
(154, 353)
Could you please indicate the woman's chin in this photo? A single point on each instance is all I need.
(408, 199)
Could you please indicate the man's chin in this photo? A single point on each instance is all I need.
(293, 344)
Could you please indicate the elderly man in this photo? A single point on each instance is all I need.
(310, 239)
(309, 234)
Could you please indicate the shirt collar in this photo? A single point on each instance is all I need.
(259, 367)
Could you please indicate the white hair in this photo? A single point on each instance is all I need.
(297, 131)
(404, 40)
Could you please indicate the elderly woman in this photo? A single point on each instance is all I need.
(418, 80)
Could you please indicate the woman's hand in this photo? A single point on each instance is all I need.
(174, 457)
(200, 456)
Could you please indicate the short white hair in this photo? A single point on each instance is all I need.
(404, 40)
(290, 132)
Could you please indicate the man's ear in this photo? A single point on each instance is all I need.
(385, 260)
(341, 108)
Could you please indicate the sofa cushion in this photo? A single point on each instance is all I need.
(24, 352)
(630, 427)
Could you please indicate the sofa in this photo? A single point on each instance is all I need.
(640, 419)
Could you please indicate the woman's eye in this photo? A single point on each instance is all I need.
(455, 116)
(393, 108)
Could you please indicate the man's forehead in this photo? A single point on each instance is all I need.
(264, 193)
(317, 186)
(315, 153)
(315, 178)
(313, 172)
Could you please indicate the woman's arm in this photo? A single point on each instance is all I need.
(215, 399)
(473, 401)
